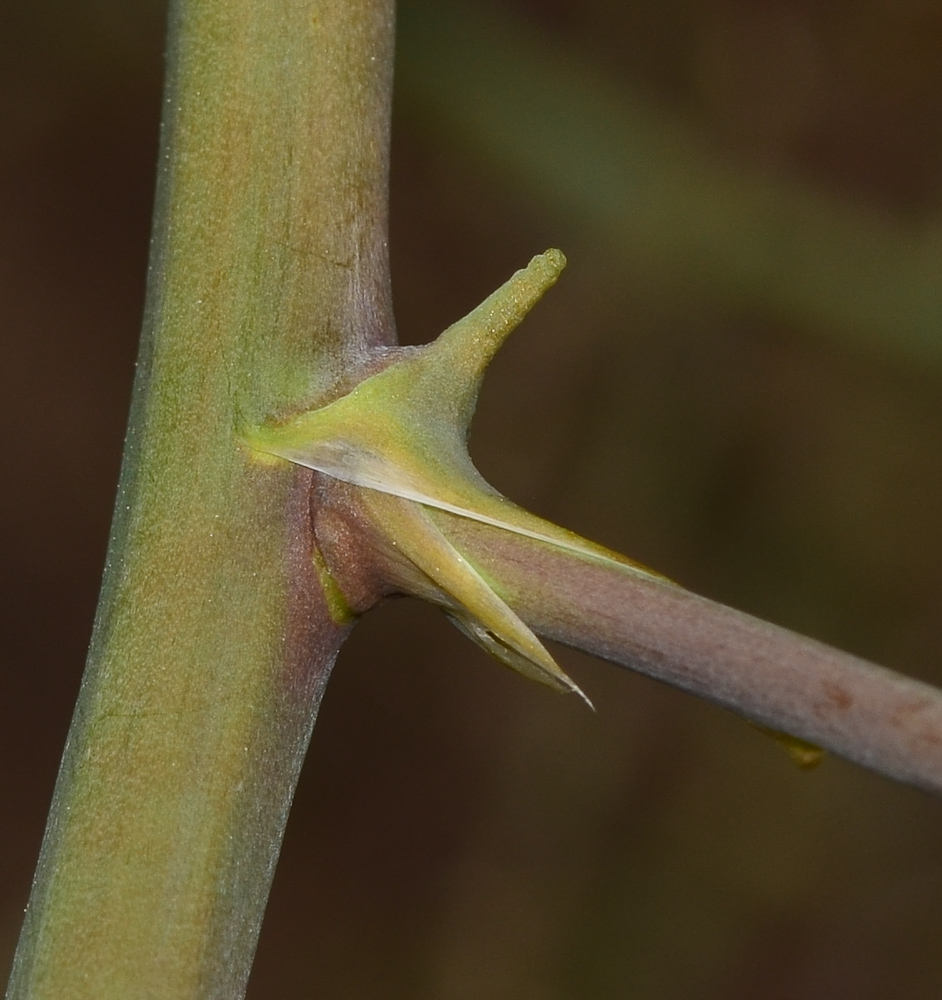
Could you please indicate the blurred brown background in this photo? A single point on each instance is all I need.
(737, 381)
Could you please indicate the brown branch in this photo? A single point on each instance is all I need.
(777, 678)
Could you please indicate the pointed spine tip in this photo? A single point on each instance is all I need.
(542, 273)
(553, 258)
(575, 689)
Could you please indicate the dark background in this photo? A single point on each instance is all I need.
(769, 442)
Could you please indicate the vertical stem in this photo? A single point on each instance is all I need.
(213, 641)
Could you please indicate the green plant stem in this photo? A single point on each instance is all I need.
(213, 641)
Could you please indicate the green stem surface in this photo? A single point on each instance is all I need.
(213, 641)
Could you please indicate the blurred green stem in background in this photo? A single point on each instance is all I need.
(656, 195)
(213, 643)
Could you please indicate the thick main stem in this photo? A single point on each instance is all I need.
(213, 642)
